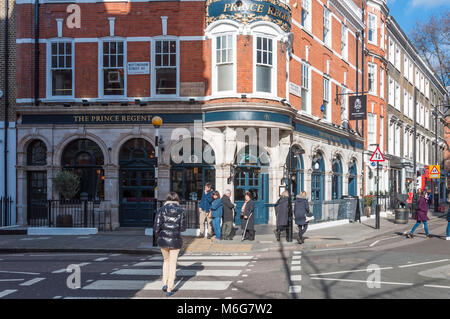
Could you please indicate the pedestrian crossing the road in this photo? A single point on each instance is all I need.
(197, 276)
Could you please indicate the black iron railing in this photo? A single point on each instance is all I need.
(191, 209)
(6, 211)
(70, 213)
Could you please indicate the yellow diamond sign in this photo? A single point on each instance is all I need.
(434, 171)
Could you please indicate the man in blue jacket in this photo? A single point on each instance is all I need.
(204, 209)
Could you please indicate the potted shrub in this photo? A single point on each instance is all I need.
(67, 185)
(368, 205)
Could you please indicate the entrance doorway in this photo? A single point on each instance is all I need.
(137, 184)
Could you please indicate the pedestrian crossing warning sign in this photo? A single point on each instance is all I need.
(434, 171)
(377, 156)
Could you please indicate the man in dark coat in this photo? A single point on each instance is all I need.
(281, 212)
(248, 221)
(301, 211)
(228, 217)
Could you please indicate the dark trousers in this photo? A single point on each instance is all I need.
(250, 234)
(280, 229)
(302, 230)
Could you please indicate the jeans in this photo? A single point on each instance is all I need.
(169, 267)
(216, 226)
(418, 224)
(448, 229)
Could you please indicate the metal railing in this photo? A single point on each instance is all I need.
(70, 213)
(191, 209)
(6, 211)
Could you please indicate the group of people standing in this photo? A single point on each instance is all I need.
(219, 214)
(421, 215)
(302, 215)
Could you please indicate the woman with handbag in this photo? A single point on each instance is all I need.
(170, 222)
(421, 216)
(302, 215)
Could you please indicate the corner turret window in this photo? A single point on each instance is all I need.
(224, 63)
(264, 64)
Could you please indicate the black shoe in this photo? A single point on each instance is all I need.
(429, 236)
(201, 235)
(409, 235)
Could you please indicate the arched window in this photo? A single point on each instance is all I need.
(336, 179)
(192, 166)
(136, 151)
(296, 170)
(85, 159)
(318, 178)
(352, 179)
(37, 153)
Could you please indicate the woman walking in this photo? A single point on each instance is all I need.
(216, 214)
(281, 212)
(169, 224)
(421, 216)
(301, 211)
(248, 218)
(448, 219)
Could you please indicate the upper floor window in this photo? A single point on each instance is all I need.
(224, 63)
(166, 67)
(372, 78)
(391, 51)
(391, 91)
(372, 30)
(61, 69)
(306, 14)
(326, 27)
(326, 98)
(397, 57)
(344, 109)
(381, 83)
(397, 96)
(371, 129)
(264, 64)
(305, 87)
(427, 89)
(344, 39)
(411, 72)
(405, 67)
(382, 36)
(113, 68)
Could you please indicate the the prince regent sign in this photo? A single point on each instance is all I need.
(248, 11)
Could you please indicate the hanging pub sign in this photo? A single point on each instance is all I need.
(357, 107)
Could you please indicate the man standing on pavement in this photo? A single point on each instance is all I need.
(228, 218)
(204, 208)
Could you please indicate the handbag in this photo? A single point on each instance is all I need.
(309, 218)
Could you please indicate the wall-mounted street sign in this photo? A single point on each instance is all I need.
(434, 171)
(377, 156)
(138, 68)
(357, 107)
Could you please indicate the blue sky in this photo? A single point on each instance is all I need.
(408, 12)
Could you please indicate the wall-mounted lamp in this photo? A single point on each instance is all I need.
(191, 101)
(243, 96)
(85, 102)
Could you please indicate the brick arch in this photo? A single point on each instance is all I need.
(115, 151)
(59, 149)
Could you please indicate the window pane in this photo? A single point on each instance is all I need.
(225, 77)
(61, 48)
(105, 47)
(120, 51)
(263, 78)
(68, 48)
(120, 60)
(173, 47)
(166, 81)
(61, 61)
(113, 82)
(158, 46)
(54, 61)
(106, 61)
(165, 60)
(165, 47)
(218, 43)
(113, 47)
(54, 49)
(68, 61)
(173, 60)
(62, 82)
(158, 60)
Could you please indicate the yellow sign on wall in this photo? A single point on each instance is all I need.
(434, 171)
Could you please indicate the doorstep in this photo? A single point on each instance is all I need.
(66, 231)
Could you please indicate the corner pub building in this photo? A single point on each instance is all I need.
(214, 70)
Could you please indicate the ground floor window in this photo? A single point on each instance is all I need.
(188, 182)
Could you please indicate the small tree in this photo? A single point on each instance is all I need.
(67, 184)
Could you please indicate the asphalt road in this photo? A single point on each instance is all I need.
(401, 268)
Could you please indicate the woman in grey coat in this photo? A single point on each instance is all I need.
(281, 212)
(301, 211)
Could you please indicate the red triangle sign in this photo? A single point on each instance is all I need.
(377, 156)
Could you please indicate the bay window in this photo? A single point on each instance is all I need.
(224, 63)
(264, 64)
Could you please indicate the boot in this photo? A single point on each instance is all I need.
(278, 235)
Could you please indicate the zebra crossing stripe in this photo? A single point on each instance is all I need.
(207, 258)
(296, 268)
(296, 257)
(156, 285)
(195, 263)
(295, 289)
(59, 271)
(296, 262)
(32, 281)
(7, 292)
(181, 272)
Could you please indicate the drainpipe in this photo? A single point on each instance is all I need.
(6, 107)
(36, 52)
(362, 90)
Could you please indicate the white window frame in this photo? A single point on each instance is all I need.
(411, 72)
(215, 65)
(100, 68)
(274, 64)
(372, 27)
(410, 106)
(405, 102)
(391, 138)
(427, 89)
(326, 38)
(398, 56)
(305, 66)
(372, 69)
(306, 5)
(397, 141)
(397, 95)
(326, 96)
(405, 67)
(344, 42)
(153, 70)
(381, 134)
(344, 105)
(49, 81)
(382, 83)
(391, 91)
(371, 130)
(405, 143)
(391, 51)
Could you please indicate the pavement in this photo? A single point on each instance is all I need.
(134, 241)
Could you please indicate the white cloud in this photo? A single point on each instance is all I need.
(428, 3)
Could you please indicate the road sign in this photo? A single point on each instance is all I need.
(434, 171)
(377, 156)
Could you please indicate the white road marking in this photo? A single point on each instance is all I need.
(296, 278)
(424, 263)
(295, 289)
(115, 255)
(234, 289)
(347, 271)
(240, 281)
(19, 272)
(296, 268)
(437, 286)
(364, 281)
(244, 275)
(64, 269)
(156, 285)
(207, 258)
(297, 252)
(5, 280)
(196, 263)
(376, 242)
(32, 281)
(296, 262)
(101, 259)
(7, 292)
(296, 257)
(180, 272)
(57, 297)
(330, 249)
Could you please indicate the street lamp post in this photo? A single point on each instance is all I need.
(157, 122)
(377, 207)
